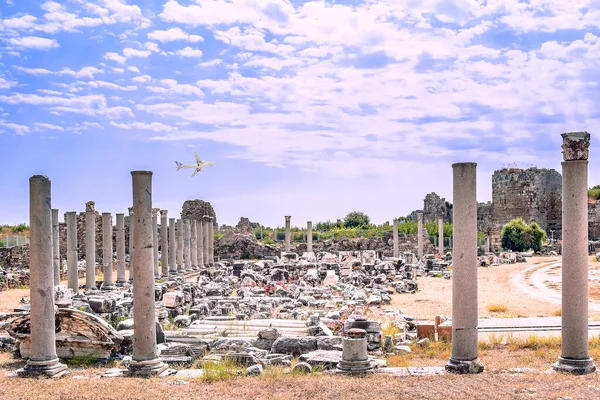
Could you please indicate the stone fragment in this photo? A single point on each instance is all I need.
(294, 345)
(302, 368)
(254, 370)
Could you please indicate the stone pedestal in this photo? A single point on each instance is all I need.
(187, 255)
(120, 239)
(107, 252)
(155, 241)
(90, 246)
(55, 248)
(288, 234)
(464, 358)
(43, 360)
(194, 243)
(200, 243)
(72, 256)
(309, 230)
(131, 235)
(180, 247)
(395, 238)
(172, 247)
(211, 242)
(355, 359)
(575, 357)
(441, 237)
(164, 243)
(145, 359)
(420, 236)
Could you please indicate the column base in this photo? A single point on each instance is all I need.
(354, 367)
(146, 368)
(110, 286)
(91, 291)
(464, 367)
(48, 369)
(574, 366)
(121, 283)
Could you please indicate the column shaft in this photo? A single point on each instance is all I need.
(120, 239)
(211, 243)
(441, 237)
(288, 234)
(395, 238)
(420, 235)
(206, 240)
(90, 246)
(155, 240)
(194, 243)
(309, 242)
(107, 251)
(172, 247)
(72, 256)
(55, 247)
(186, 245)
(200, 243)
(180, 247)
(164, 243)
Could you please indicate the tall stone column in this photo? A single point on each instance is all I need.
(288, 234)
(55, 247)
(194, 243)
(200, 243)
(464, 358)
(309, 236)
(211, 242)
(164, 243)
(395, 238)
(574, 356)
(441, 236)
(107, 252)
(172, 247)
(131, 236)
(43, 360)
(90, 246)
(145, 360)
(180, 247)
(420, 235)
(155, 240)
(187, 255)
(205, 242)
(72, 273)
(120, 239)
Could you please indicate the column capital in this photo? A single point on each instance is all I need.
(90, 206)
(163, 213)
(575, 146)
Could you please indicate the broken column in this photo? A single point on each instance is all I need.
(90, 246)
(309, 236)
(211, 241)
(194, 243)
(172, 247)
(72, 273)
(155, 240)
(395, 238)
(55, 248)
(164, 245)
(107, 252)
(206, 222)
(355, 359)
(464, 358)
(187, 255)
(574, 356)
(131, 235)
(42, 360)
(120, 239)
(486, 248)
(145, 360)
(288, 234)
(200, 243)
(441, 236)
(420, 235)
(180, 247)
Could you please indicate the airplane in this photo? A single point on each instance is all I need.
(199, 164)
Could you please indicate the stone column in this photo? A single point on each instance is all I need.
(486, 248)
(164, 243)
(464, 358)
(205, 232)
(187, 254)
(211, 241)
(180, 247)
(355, 359)
(574, 356)
(441, 236)
(72, 273)
(200, 242)
(43, 360)
(309, 236)
(420, 235)
(145, 360)
(395, 238)
(120, 239)
(107, 252)
(172, 247)
(288, 234)
(194, 243)
(55, 248)
(131, 236)
(90, 246)
(155, 240)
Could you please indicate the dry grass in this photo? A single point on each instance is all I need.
(497, 308)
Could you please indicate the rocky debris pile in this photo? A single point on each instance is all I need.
(243, 245)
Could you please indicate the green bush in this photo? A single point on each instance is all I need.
(594, 193)
(355, 219)
(518, 236)
(20, 228)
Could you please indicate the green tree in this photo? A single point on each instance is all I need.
(356, 219)
(518, 236)
(594, 193)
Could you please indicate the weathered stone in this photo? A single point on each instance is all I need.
(576, 146)
(302, 368)
(254, 370)
(294, 345)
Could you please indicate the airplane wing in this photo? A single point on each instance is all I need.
(198, 160)
(196, 171)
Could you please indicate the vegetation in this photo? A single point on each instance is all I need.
(594, 193)
(356, 219)
(518, 236)
(497, 308)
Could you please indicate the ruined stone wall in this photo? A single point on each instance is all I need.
(593, 220)
(533, 194)
(435, 207)
(485, 213)
(196, 209)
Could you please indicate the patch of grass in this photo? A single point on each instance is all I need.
(557, 313)
(220, 370)
(390, 328)
(497, 308)
(399, 360)
(534, 342)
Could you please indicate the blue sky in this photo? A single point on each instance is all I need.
(309, 108)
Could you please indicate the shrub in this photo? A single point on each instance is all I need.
(518, 236)
(355, 219)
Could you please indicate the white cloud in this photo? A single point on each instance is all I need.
(142, 79)
(5, 84)
(110, 85)
(34, 42)
(129, 52)
(211, 63)
(153, 126)
(41, 126)
(188, 52)
(134, 70)
(115, 57)
(173, 34)
(17, 128)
